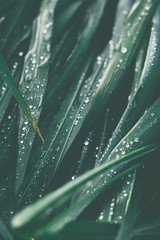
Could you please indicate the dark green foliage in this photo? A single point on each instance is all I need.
(87, 72)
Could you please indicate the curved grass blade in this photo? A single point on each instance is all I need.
(116, 34)
(126, 228)
(55, 144)
(65, 124)
(102, 142)
(138, 70)
(38, 214)
(33, 82)
(129, 41)
(148, 82)
(4, 71)
(137, 136)
(68, 125)
(16, 70)
(62, 79)
(136, 107)
(146, 129)
(141, 99)
(119, 21)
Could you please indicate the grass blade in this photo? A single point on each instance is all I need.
(143, 132)
(11, 83)
(57, 138)
(137, 105)
(129, 41)
(143, 97)
(33, 82)
(24, 220)
(79, 52)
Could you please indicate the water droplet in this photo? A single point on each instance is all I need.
(73, 177)
(34, 61)
(99, 60)
(125, 12)
(45, 31)
(111, 213)
(101, 217)
(20, 54)
(48, 47)
(28, 77)
(136, 139)
(48, 36)
(87, 100)
(124, 50)
(147, 7)
(86, 143)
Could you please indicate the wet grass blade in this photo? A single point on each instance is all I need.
(141, 98)
(148, 82)
(37, 212)
(138, 70)
(4, 71)
(124, 52)
(6, 93)
(126, 228)
(56, 144)
(93, 17)
(33, 82)
(146, 129)
(60, 131)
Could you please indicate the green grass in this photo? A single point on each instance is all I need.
(87, 73)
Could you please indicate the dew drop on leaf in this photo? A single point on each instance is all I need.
(86, 143)
(124, 50)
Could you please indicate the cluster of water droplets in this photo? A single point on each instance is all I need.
(33, 85)
(3, 89)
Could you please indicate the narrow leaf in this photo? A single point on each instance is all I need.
(33, 83)
(11, 83)
(37, 212)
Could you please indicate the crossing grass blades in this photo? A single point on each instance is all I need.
(79, 119)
